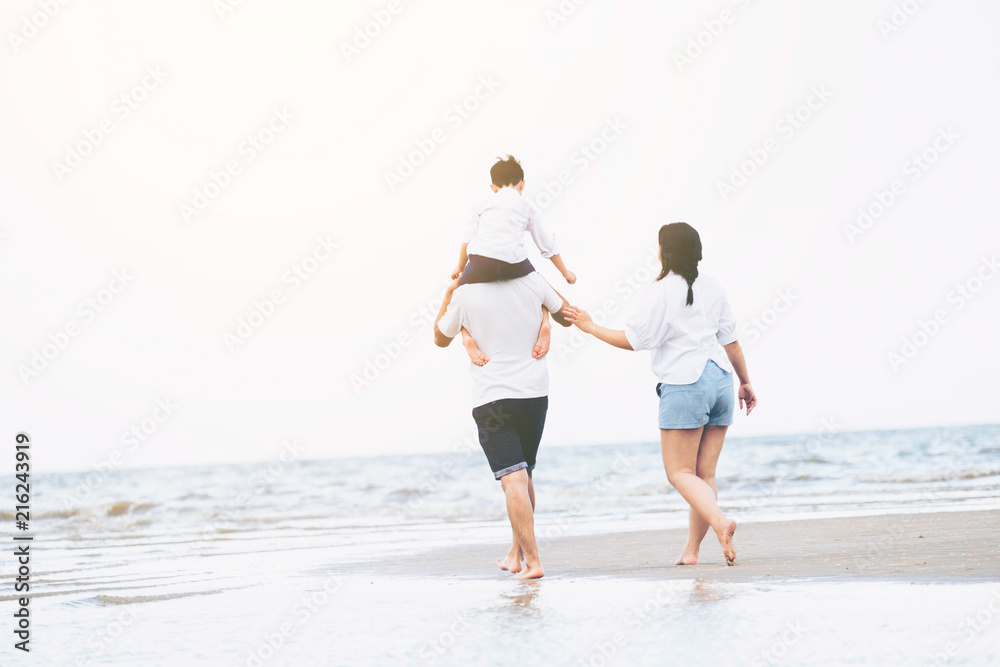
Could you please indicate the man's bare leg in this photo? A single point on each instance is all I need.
(544, 337)
(708, 457)
(522, 521)
(478, 357)
(512, 561)
(680, 459)
(531, 491)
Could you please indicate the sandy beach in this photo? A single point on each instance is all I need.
(942, 547)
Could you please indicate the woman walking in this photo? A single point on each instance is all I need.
(686, 321)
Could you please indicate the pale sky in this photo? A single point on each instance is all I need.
(167, 170)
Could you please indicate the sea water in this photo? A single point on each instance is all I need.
(238, 565)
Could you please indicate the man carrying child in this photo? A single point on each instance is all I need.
(504, 304)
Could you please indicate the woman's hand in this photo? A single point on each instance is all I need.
(580, 318)
(747, 396)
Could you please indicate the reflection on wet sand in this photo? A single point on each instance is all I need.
(523, 595)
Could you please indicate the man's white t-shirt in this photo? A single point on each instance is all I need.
(504, 318)
(496, 228)
(683, 338)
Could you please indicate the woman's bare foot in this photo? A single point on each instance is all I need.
(726, 540)
(532, 572)
(478, 357)
(542, 344)
(688, 557)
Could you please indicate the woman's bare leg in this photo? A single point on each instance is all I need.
(708, 457)
(680, 460)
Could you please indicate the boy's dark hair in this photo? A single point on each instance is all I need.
(507, 172)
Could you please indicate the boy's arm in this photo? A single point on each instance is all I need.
(557, 261)
(463, 259)
(545, 241)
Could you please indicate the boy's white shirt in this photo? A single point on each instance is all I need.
(496, 228)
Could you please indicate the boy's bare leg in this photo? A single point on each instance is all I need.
(544, 337)
(478, 357)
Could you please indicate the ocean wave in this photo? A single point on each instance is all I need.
(406, 493)
(110, 509)
(917, 478)
(135, 599)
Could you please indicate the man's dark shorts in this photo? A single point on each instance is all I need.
(488, 270)
(510, 431)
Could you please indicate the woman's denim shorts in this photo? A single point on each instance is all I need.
(707, 402)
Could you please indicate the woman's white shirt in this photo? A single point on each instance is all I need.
(682, 338)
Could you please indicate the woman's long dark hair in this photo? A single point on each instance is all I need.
(680, 252)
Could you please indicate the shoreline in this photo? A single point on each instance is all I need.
(940, 547)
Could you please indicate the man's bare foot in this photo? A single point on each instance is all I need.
(726, 540)
(510, 564)
(533, 572)
(542, 344)
(478, 357)
(687, 558)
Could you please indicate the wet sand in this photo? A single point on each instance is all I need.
(944, 547)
